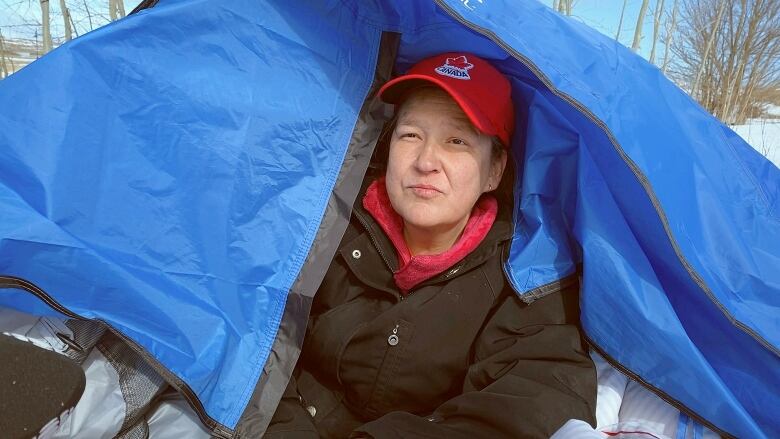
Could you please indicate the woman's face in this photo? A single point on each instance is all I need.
(439, 164)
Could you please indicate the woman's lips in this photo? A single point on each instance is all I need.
(425, 190)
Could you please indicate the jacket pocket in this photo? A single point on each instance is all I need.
(327, 336)
(397, 341)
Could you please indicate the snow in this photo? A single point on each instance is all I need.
(18, 53)
(763, 135)
(773, 110)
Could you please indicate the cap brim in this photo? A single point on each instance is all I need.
(394, 90)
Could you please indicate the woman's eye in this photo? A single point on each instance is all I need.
(458, 141)
(409, 135)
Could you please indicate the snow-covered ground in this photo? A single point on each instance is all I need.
(764, 136)
(18, 53)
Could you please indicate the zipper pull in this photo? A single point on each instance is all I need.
(393, 339)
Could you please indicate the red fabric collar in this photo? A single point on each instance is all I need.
(416, 269)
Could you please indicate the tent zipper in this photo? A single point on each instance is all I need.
(217, 430)
(648, 190)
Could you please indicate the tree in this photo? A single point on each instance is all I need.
(729, 57)
(563, 6)
(659, 7)
(116, 9)
(710, 41)
(67, 21)
(46, 25)
(639, 23)
(670, 29)
(620, 23)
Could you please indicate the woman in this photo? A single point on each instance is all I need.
(415, 331)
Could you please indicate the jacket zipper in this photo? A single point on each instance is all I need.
(361, 218)
(217, 429)
(359, 215)
(452, 272)
(648, 190)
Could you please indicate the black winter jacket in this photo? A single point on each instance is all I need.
(459, 356)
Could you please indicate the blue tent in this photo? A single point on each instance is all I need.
(184, 175)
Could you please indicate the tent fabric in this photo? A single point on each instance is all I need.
(172, 174)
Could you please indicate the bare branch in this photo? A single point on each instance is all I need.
(710, 41)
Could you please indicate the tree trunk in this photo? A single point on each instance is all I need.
(47, 43)
(620, 23)
(659, 7)
(112, 10)
(669, 33)
(758, 72)
(734, 87)
(639, 21)
(564, 7)
(120, 8)
(708, 47)
(731, 76)
(66, 20)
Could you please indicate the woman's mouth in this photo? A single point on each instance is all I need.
(425, 190)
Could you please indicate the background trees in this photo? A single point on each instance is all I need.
(724, 53)
(31, 28)
(728, 57)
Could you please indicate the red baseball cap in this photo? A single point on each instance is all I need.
(482, 92)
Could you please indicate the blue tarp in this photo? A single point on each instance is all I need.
(167, 175)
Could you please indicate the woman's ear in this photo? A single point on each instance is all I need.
(497, 167)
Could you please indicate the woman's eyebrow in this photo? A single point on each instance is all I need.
(463, 124)
(408, 121)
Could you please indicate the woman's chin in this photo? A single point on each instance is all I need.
(425, 219)
(425, 214)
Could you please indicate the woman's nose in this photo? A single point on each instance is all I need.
(428, 157)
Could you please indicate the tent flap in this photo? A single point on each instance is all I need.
(183, 174)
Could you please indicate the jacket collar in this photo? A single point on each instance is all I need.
(500, 233)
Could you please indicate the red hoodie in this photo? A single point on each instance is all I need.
(416, 269)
